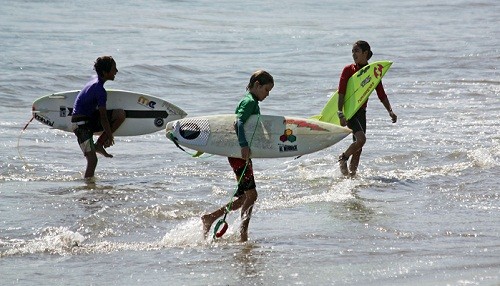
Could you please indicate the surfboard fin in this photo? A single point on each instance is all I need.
(198, 154)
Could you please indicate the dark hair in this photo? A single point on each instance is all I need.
(364, 47)
(103, 64)
(262, 77)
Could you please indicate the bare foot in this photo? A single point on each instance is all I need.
(207, 222)
(89, 180)
(100, 149)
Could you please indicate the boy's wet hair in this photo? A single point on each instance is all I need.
(103, 64)
(364, 47)
(262, 77)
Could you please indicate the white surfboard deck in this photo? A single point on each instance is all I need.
(275, 136)
(144, 113)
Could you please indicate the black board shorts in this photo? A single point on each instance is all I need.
(93, 123)
(357, 122)
(85, 127)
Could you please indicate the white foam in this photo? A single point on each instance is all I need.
(188, 233)
(483, 158)
(54, 240)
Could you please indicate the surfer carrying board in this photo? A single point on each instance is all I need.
(261, 83)
(361, 53)
(90, 115)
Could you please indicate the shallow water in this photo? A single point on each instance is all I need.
(423, 210)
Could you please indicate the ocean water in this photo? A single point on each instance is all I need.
(424, 209)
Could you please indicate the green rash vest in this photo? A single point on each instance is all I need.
(248, 105)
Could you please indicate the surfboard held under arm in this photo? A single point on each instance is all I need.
(359, 87)
(273, 136)
(144, 113)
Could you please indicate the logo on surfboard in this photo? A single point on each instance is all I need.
(288, 136)
(189, 130)
(146, 102)
(377, 71)
(65, 111)
(44, 120)
(287, 148)
(159, 122)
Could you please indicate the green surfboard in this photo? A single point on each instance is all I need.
(359, 88)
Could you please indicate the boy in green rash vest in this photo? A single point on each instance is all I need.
(361, 53)
(261, 83)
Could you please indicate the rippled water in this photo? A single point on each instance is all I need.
(423, 210)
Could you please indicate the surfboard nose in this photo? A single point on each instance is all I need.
(169, 125)
(170, 128)
(178, 111)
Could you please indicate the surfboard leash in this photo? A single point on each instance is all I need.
(19, 139)
(222, 222)
(174, 139)
(195, 155)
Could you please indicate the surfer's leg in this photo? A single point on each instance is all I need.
(99, 148)
(354, 148)
(246, 212)
(94, 126)
(85, 139)
(360, 140)
(246, 193)
(353, 166)
(358, 126)
(91, 164)
(116, 118)
(343, 164)
(359, 129)
(208, 219)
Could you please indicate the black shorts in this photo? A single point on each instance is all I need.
(358, 122)
(247, 182)
(86, 128)
(93, 123)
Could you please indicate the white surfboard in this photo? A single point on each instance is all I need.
(144, 113)
(275, 136)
